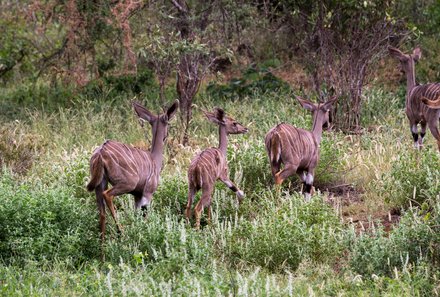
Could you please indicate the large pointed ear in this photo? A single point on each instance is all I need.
(432, 104)
(171, 111)
(327, 105)
(396, 52)
(417, 54)
(306, 103)
(216, 117)
(143, 113)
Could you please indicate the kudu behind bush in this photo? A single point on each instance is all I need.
(296, 148)
(416, 111)
(211, 165)
(129, 169)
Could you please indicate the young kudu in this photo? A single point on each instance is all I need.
(129, 169)
(416, 111)
(296, 148)
(211, 165)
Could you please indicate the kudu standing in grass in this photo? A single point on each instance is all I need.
(416, 111)
(211, 165)
(129, 169)
(296, 148)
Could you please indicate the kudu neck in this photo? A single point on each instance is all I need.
(157, 146)
(317, 127)
(410, 78)
(223, 139)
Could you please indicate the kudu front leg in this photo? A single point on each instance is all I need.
(435, 132)
(233, 188)
(308, 186)
(415, 135)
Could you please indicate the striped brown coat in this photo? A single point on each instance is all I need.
(211, 165)
(416, 111)
(129, 169)
(296, 148)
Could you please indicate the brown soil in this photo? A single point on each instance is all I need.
(354, 211)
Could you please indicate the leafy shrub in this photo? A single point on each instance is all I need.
(252, 81)
(18, 149)
(414, 178)
(142, 82)
(40, 222)
(286, 236)
(412, 242)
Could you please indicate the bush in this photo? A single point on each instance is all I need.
(45, 223)
(286, 236)
(252, 81)
(413, 178)
(412, 242)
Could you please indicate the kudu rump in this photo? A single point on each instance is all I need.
(296, 148)
(210, 165)
(129, 169)
(416, 111)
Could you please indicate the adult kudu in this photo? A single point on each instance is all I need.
(296, 148)
(129, 169)
(416, 111)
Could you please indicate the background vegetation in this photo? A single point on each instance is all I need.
(68, 70)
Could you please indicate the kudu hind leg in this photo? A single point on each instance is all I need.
(101, 207)
(191, 194)
(205, 201)
(288, 170)
(109, 195)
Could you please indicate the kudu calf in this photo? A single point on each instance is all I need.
(416, 111)
(211, 165)
(129, 169)
(296, 148)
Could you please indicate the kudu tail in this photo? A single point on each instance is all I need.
(274, 148)
(96, 171)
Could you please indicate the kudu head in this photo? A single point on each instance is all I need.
(219, 117)
(320, 111)
(159, 123)
(407, 61)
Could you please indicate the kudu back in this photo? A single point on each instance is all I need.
(296, 148)
(129, 169)
(211, 165)
(416, 111)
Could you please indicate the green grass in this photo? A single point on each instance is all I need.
(272, 244)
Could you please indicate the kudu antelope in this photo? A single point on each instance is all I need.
(416, 111)
(211, 165)
(296, 148)
(129, 169)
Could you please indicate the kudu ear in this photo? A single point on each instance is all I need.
(431, 104)
(216, 117)
(327, 105)
(171, 111)
(396, 52)
(306, 103)
(143, 113)
(417, 54)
